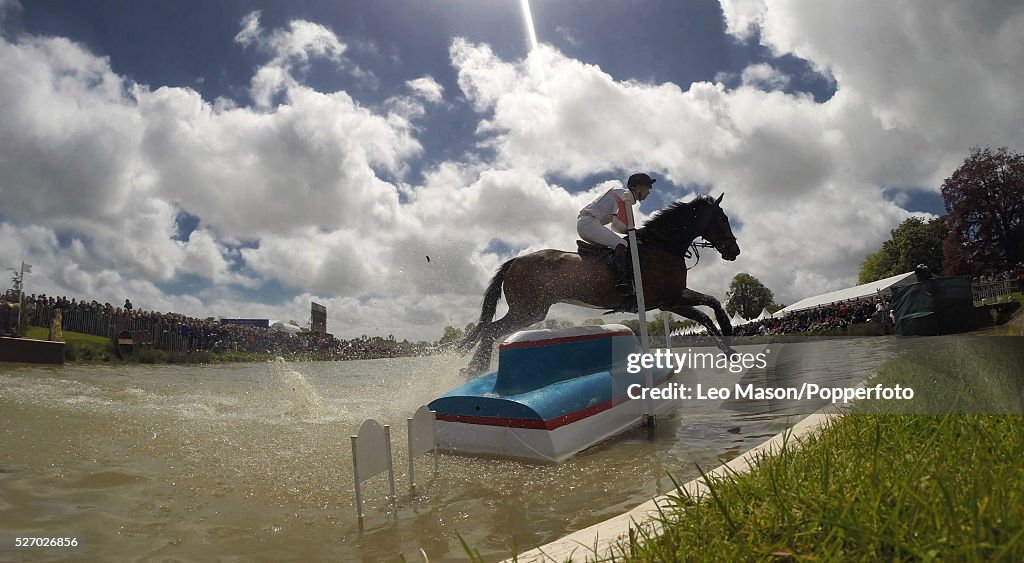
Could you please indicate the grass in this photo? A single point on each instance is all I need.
(89, 348)
(77, 346)
(884, 482)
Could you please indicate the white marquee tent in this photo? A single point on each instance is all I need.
(737, 320)
(866, 290)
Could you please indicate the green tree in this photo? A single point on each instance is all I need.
(915, 241)
(450, 337)
(748, 296)
(985, 212)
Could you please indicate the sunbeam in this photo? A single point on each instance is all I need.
(531, 35)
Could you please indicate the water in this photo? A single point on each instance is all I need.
(253, 461)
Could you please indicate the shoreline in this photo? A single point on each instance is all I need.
(87, 349)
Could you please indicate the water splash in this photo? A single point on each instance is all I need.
(304, 400)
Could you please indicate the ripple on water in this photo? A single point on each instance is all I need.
(108, 479)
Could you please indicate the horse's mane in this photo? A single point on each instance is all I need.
(668, 223)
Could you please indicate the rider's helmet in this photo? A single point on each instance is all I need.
(640, 179)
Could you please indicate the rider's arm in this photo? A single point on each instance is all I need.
(622, 203)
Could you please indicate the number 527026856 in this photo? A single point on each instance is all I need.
(45, 542)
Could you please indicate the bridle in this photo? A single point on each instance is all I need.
(693, 250)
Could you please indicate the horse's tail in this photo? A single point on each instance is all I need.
(491, 297)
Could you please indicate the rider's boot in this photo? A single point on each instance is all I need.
(623, 272)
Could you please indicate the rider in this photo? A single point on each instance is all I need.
(610, 208)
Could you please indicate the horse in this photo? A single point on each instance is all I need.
(532, 283)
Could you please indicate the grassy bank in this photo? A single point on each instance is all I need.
(881, 483)
(88, 348)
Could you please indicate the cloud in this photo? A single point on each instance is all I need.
(116, 177)
(292, 49)
(946, 68)
(427, 88)
(796, 170)
(764, 76)
(307, 195)
(568, 35)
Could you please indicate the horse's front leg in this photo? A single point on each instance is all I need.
(692, 298)
(699, 316)
(695, 315)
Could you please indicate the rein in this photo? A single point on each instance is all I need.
(693, 251)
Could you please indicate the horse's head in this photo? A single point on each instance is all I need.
(718, 232)
(681, 223)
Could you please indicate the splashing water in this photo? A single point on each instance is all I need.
(304, 400)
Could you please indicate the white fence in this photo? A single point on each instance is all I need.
(994, 292)
(371, 452)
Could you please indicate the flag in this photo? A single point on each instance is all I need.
(26, 268)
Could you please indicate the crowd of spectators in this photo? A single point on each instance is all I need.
(830, 318)
(173, 331)
(1015, 274)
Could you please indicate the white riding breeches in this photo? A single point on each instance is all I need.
(591, 230)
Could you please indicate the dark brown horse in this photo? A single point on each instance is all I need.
(536, 281)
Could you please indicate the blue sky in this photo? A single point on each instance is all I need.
(244, 158)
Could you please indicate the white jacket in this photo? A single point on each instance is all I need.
(611, 208)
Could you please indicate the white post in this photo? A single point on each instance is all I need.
(368, 460)
(355, 475)
(433, 439)
(422, 439)
(412, 466)
(21, 294)
(637, 279)
(640, 308)
(391, 470)
(667, 317)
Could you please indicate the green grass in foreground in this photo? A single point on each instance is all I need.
(880, 486)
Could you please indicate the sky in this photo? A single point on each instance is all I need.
(244, 158)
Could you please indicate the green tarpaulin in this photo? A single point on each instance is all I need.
(935, 306)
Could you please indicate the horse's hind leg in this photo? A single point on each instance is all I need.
(516, 319)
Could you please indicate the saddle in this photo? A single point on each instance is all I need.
(593, 251)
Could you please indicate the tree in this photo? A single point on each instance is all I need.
(16, 279)
(634, 325)
(915, 241)
(450, 337)
(748, 296)
(985, 212)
